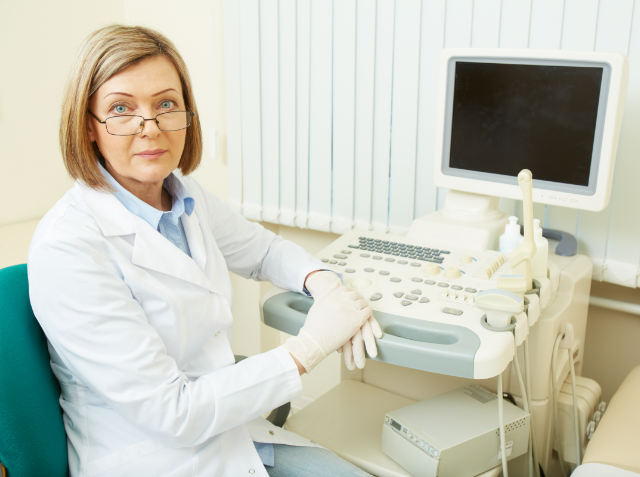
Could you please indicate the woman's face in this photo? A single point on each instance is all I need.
(146, 89)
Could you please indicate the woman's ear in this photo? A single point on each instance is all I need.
(92, 136)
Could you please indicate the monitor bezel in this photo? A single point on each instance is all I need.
(590, 188)
(596, 195)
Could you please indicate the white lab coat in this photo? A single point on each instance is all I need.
(140, 333)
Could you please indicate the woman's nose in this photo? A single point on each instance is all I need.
(150, 128)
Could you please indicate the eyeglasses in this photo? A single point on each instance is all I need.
(127, 125)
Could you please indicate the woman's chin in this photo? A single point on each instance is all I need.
(151, 171)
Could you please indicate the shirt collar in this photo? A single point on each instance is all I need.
(182, 200)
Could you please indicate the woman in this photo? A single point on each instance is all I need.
(128, 278)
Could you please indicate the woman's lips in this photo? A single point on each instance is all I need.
(154, 154)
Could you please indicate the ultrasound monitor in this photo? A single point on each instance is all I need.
(556, 113)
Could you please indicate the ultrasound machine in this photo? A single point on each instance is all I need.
(536, 126)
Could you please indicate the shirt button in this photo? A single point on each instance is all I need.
(210, 292)
(217, 333)
(251, 471)
(272, 433)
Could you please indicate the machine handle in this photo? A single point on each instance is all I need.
(409, 342)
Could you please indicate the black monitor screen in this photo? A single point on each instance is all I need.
(509, 117)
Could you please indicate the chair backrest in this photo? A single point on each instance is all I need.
(33, 442)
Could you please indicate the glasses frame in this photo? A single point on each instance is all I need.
(144, 120)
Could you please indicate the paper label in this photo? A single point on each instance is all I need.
(479, 394)
(508, 447)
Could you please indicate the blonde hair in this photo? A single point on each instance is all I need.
(104, 53)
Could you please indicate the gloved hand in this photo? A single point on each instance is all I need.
(353, 349)
(337, 314)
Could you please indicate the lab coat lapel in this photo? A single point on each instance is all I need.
(152, 250)
(195, 239)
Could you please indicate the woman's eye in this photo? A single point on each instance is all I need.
(166, 104)
(120, 108)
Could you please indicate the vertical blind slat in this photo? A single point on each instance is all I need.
(458, 28)
(592, 226)
(546, 24)
(616, 33)
(365, 91)
(303, 61)
(404, 113)
(320, 116)
(579, 25)
(270, 109)
(234, 118)
(431, 39)
(485, 31)
(515, 21)
(344, 83)
(458, 24)
(382, 114)
(514, 24)
(287, 94)
(578, 33)
(250, 100)
(545, 32)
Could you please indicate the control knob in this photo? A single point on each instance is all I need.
(466, 259)
(431, 269)
(452, 273)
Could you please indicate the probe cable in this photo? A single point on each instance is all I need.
(555, 400)
(576, 424)
(534, 445)
(525, 403)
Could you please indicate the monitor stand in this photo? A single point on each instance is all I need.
(469, 221)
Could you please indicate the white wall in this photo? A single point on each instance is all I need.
(38, 41)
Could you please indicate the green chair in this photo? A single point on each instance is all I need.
(32, 438)
(33, 442)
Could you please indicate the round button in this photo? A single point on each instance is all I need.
(466, 259)
(217, 333)
(415, 439)
(360, 283)
(431, 269)
(452, 273)
(272, 433)
(251, 471)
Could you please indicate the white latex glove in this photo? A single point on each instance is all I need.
(337, 314)
(353, 349)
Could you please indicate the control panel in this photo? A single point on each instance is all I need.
(415, 439)
(394, 274)
(422, 296)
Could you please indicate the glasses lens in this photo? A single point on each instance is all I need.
(174, 121)
(124, 125)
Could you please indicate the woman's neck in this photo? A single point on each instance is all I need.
(151, 193)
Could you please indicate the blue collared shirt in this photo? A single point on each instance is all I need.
(169, 224)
